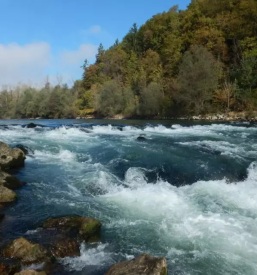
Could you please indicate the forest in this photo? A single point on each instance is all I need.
(201, 60)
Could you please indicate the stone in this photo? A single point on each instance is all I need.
(27, 252)
(30, 272)
(10, 158)
(31, 125)
(9, 181)
(7, 195)
(90, 230)
(143, 265)
(140, 138)
(87, 229)
(65, 247)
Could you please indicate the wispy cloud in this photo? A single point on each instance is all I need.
(23, 63)
(31, 63)
(95, 29)
(76, 57)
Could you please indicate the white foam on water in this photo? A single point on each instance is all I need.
(207, 221)
(224, 147)
(65, 133)
(96, 256)
(211, 216)
(65, 156)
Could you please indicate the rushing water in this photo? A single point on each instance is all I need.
(187, 192)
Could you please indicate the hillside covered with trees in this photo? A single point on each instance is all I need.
(196, 61)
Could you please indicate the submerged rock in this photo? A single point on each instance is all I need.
(31, 125)
(141, 138)
(30, 272)
(23, 148)
(7, 195)
(86, 228)
(10, 158)
(9, 181)
(65, 247)
(27, 252)
(142, 265)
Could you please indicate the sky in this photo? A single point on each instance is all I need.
(40, 38)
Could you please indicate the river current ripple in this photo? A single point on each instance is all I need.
(188, 192)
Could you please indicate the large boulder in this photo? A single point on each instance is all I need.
(7, 195)
(11, 158)
(143, 265)
(30, 272)
(27, 252)
(65, 247)
(9, 181)
(87, 229)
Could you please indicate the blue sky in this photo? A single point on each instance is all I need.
(53, 37)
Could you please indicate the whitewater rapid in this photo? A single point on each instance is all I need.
(187, 193)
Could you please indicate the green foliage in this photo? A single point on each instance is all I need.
(198, 78)
(48, 102)
(188, 55)
(151, 100)
(178, 61)
(109, 99)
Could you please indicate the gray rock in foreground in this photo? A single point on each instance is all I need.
(7, 195)
(143, 265)
(9, 181)
(10, 158)
(26, 252)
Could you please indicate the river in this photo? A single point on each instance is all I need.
(187, 192)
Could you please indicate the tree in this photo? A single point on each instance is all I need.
(151, 100)
(100, 53)
(109, 99)
(128, 102)
(198, 78)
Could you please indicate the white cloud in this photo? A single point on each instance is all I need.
(23, 63)
(95, 29)
(31, 63)
(76, 57)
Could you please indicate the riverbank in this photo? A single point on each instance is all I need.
(217, 117)
(231, 116)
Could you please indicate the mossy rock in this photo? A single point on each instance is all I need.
(27, 252)
(87, 229)
(65, 247)
(90, 230)
(7, 195)
(144, 265)
(63, 223)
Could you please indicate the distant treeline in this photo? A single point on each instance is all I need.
(200, 60)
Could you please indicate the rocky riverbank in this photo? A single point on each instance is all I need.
(230, 116)
(61, 236)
